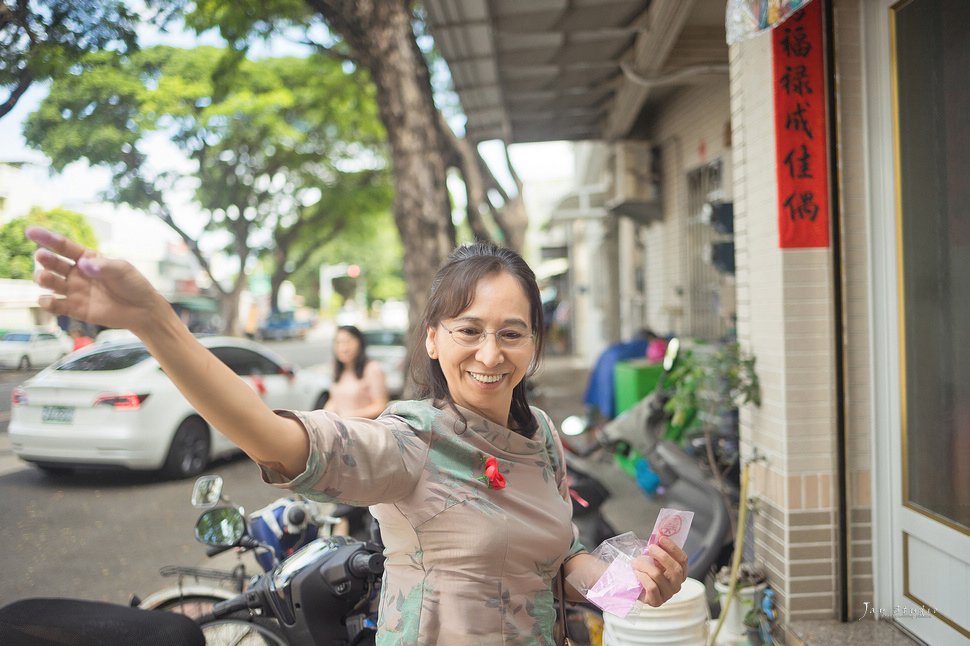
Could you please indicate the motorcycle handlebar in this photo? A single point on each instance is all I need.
(364, 564)
(213, 550)
(248, 599)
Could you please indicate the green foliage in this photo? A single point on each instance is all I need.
(709, 384)
(17, 260)
(42, 39)
(278, 145)
(374, 245)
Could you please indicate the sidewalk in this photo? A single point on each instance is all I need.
(562, 383)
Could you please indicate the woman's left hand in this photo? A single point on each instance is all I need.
(662, 577)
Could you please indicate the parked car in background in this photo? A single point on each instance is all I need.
(111, 334)
(394, 315)
(25, 349)
(389, 347)
(111, 405)
(283, 325)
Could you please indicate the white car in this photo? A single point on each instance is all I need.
(26, 349)
(111, 405)
(389, 348)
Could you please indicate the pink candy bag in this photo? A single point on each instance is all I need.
(610, 582)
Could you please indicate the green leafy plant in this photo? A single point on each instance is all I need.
(707, 383)
(752, 618)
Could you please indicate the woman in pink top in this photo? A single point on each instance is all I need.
(358, 388)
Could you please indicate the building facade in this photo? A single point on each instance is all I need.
(858, 454)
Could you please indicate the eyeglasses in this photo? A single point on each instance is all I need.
(472, 336)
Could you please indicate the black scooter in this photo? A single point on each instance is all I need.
(338, 577)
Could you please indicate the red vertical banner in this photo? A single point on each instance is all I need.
(800, 130)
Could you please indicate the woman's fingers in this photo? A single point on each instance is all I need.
(52, 281)
(663, 574)
(52, 262)
(55, 242)
(672, 559)
(656, 589)
(52, 304)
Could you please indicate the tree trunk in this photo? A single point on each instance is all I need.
(465, 158)
(379, 32)
(280, 252)
(512, 218)
(229, 306)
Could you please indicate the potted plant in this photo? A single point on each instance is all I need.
(708, 382)
(752, 626)
(751, 580)
(705, 387)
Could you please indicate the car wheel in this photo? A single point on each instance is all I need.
(321, 401)
(24, 363)
(189, 453)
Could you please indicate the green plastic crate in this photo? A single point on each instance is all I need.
(632, 381)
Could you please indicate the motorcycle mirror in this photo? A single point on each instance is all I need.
(573, 425)
(207, 491)
(222, 526)
(670, 356)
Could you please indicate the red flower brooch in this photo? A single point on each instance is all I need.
(492, 477)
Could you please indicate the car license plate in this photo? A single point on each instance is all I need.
(57, 414)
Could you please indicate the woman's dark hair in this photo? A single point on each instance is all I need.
(360, 361)
(452, 292)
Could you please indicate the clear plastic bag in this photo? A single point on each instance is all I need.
(609, 581)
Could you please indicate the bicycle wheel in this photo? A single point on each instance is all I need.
(242, 631)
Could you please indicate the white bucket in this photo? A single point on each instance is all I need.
(682, 621)
(743, 602)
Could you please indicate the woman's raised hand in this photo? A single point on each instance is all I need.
(91, 288)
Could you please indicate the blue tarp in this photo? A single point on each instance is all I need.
(599, 391)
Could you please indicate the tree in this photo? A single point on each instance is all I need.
(353, 206)
(377, 36)
(41, 39)
(265, 143)
(17, 261)
(380, 36)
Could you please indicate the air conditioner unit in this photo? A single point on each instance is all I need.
(636, 188)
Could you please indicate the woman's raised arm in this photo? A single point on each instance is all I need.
(113, 293)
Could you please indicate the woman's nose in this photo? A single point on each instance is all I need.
(489, 352)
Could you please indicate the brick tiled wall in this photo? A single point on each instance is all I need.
(785, 305)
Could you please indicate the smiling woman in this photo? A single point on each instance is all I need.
(468, 483)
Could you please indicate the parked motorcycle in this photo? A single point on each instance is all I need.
(279, 529)
(339, 577)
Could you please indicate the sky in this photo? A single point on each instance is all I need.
(79, 187)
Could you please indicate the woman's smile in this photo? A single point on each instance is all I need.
(486, 379)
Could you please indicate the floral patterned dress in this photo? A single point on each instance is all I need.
(467, 563)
